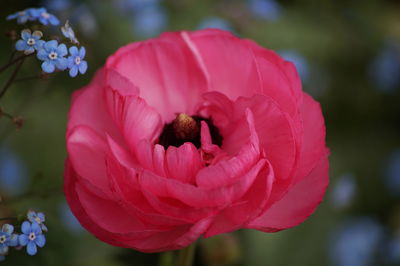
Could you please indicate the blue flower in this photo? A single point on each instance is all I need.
(150, 21)
(39, 218)
(44, 17)
(392, 173)
(30, 41)
(53, 56)
(215, 23)
(344, 191)
(13, 172)
(69, 33)
(266, 9)
(385, 68)
(21, 16)
(76, 62)
(58, 5)
(7, 238)
(32, 236)
(357, 242)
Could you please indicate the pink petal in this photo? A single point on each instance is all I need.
(136, 120)
(225, 56)
(88, 108)
(250, 206)
(165, 71)
(87, 151)
(299, 203)
(313, 144)
(183, 162)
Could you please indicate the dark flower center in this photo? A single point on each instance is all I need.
(2, 239)
(186, 128)
(32, 236)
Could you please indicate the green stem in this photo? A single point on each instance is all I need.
(186, 255)
(22, 57)
(166, 259)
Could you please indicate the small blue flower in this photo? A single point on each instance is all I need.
(215, 23)
(13, 173)
(53, 56)
(21, 16)
(344, 191)
(58, 5)
(32, 236)
(150, 21)
(301, 62)
(7, 238)
(30, 41)
(265, 9)
(39, 218)
(69, 33)
(76, 62)
(44, 17)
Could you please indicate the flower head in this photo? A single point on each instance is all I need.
(76, 62)
(21, 16)
(7, 238)
(53, 55)
(32, 236)
(193, 134)
(30, 41)
(69, 33)
(33, 14)
(44, 17)
(39, 218)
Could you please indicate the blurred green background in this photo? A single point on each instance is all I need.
(348, 55)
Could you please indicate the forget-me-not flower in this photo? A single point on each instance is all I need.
(53, 56)
(69, 33)
(265, 9)
(7, 238)
(32, 236)
(215, 23)
(76, 62)
(39, 218)
(44, 17)
(30, 41)
(21, 16)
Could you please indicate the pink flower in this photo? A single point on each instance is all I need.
(193, 134)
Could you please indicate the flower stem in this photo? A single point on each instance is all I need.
(186, 255)
(12, 77)
(10, 63)
(8, 218)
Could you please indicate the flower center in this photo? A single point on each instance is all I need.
(77, 60)
(53, 55)
(2, 239)
(32, 236)
(186, 128)
(31, 41)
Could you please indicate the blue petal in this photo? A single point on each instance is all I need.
(51, 45)
(44, 227)
(73, 71)
(26, 34)
(13, 240)
(73, 50)
(39, 45)
(31, 248)
(41, 216)
(31, 215)
(71, 61)
(61, 63)
(42, 54)
(40, 240)
(26, 227)
(62, 50)
(3, 248)
(54, 20)
(36, 228)
(83, 67)
(82, 52)
(8, 228)
(12, 16)
(20, 45)
(48, 67)
(23, 240)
